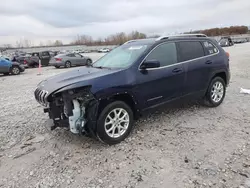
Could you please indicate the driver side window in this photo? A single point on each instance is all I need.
(166, 54)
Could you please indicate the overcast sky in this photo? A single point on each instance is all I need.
(43, 20)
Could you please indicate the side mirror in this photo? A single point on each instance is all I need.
(149, 64)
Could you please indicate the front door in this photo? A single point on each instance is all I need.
(78, 59)
(45, 58)
(158, 85)
(4, 65)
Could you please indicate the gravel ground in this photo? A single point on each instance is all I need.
(180, 146)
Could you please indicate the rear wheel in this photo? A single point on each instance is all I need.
(67, 64)
(115, 123)
(215, 93)
(15, 70)
(35, 65)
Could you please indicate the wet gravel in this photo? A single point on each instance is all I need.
(185, 145)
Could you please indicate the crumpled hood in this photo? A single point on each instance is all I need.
(83, 74)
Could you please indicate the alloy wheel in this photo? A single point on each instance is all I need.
(15, 70)
(67, 65)
(117, 123)
(217, 92)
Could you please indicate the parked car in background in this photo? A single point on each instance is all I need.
(5, 57)
(43, 56)
(84, 51)
(9, 67)
(103, 100)
(53, 53)
(31, 61)
(19, 57)
(104, 50)
(226, 41)
(69, 60)
(240, 40)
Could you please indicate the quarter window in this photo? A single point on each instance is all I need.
(166, 54)
(210, 48)
(190, 50)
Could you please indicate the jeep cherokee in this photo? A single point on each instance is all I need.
(102, 100)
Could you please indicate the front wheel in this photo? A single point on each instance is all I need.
(215, 93)
(15, 70)
(115, 123)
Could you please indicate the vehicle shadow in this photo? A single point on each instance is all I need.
(63, 135)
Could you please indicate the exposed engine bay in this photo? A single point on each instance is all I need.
(73, 109)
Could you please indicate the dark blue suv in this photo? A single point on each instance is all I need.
(103, 99)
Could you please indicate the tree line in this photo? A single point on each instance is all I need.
(114, 39)
(233, 30)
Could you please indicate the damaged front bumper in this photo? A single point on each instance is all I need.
(73, 109)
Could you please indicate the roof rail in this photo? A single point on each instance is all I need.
(130, 41)
(181, 35)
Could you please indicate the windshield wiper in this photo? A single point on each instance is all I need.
(98, 67)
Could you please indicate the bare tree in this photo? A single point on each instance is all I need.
(58, 43)
(82, 40)
(49, 43)
(7, 46)
(41, 44)
(19, 44)
(27, 43)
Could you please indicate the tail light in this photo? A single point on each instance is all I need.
(228, 55)
(58, 59)
(25, 62)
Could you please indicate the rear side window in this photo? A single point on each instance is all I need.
(71, 55)
(77, 55)
(190, 50)
(166, 54)
(45, 53)
(209, 48)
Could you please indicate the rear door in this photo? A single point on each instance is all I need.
(192, 56)
(214, 62)
(158, 85)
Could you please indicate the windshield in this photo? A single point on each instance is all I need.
(223, 40)
(121, 57)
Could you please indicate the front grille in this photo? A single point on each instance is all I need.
(41, 96)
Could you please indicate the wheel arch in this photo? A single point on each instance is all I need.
(221, 74)
(124, 97)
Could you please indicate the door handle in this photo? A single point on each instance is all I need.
(177, 70)
(209, 62)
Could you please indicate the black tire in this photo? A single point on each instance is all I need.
(88, 62)
(101, 132)
(67, 64)
(208, 99)
(57, 66)
(15, 70)
(35, 65)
